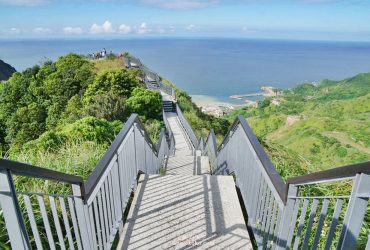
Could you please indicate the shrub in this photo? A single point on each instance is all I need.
(92, 129)
(145, 102)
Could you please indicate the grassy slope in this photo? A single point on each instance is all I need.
(324, 126)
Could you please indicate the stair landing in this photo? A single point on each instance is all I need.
(185, 212)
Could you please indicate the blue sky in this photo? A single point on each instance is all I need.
(274, 19)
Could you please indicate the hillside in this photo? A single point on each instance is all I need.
(6, 71)
(323, 126)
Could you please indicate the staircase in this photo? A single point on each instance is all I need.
(185, 208)
(168, 106)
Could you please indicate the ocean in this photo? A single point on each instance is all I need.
(214, 68)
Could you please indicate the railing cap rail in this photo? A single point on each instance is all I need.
(277, 181)
(332, 174)
(94, 177)
(24, 169)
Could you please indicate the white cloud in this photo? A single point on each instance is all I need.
(14, 31)
(125, 29)
(180, 4)
(191, 27)
(40, 30)
(72, 30)
(106, 27)
(143, 28)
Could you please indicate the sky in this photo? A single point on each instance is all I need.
(110, 19)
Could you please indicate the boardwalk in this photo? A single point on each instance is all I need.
(185, 212)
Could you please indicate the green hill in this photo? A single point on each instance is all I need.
(325, 125)
(6, 71)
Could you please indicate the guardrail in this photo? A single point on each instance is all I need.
(188, 130)
(95, 208)
(280, 214)
(171, 137)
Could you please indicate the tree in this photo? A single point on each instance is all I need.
(145, 102)
(119, 82)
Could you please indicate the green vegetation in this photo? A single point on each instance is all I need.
(316, 127)
(327, 125)
(69, 109)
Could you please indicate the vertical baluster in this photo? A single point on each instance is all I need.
(286, 218)
(117, 196)
(12, 213)
(267, 214)
(97, 221)
(310, 223)
(333, 224)
(82, 217)
(272, 224)
(74, 222)
(355, 213)
(92, 226)
(31, 218)
(45, 219)
(293, 223)
(105, 213)
(102, 219)
(66, 223)
(56, 222)
(301, 223)
(320, 224)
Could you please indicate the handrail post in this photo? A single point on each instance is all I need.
(12, 213)
(355, 213)
(286, 218)
(82, 217)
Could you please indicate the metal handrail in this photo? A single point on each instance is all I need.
(94, 177)
(279, 184)
(24, 169)
(189, 131)
(332, 174)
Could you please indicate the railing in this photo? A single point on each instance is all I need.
(95, 209)
(283, 215)
(341, 217)
(210, 150)
(185, 124)
(171, 137)
(151, 77)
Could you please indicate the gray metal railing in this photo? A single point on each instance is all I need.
(281, 215)
(171, 137)
(185, 124)
(90, 214)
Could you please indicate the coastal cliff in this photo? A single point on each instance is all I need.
(6, 71)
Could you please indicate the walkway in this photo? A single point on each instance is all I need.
(185, 212)
(183, 161)
(183, 209)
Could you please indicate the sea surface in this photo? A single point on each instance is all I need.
(212, 67)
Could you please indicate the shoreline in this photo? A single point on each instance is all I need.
(214, 106)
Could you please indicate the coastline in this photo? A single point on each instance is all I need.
(214, 106)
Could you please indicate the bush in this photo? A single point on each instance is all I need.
(92, 129)
(109, 106)
(147, 103)
(119, 82)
